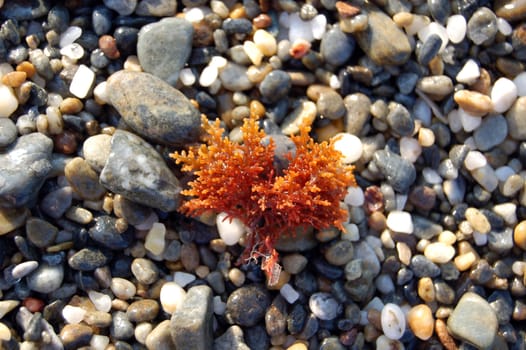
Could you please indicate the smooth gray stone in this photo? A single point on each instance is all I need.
(191, 325)
(232, 339)
(23, 169)
(491, 132)
(154, 109)
(46, 278)
(399, 172)
(164, 47)
(135, 170)
(8, 132)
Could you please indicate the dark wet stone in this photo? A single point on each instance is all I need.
(439, 9)
(25, 165)
(400, 173)
(164, 47)
(237, 26)
(25, 9)
(191, 324)
(88, 259)
(336, 47)
(126, 39)
(425, 228)
(154, 109)
(444, 293)
(58, 18)
(310, 328)
(423, 267)
(429, 49)
(247, 305)
(400, 120)
(105, 232)
(502, 303)
(491, 132)
(275, 85)
(482, 26)
(40, 232)
(276, 317)
(136, 171)
(256, 338)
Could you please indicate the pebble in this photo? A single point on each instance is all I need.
(46, 278)
(336, 47)
(439, 253)
(232, 338)
(135, 170)
(275, 85)
(349, 145)
(121, 328)
(503, 94)
(100, 300)
(400, 173)
(516, 125)
(393, 321)
(155, 239)
(421, 321)
(192, 324)
(246, 306)
(399, 119)
(83, 179)
(400, 221)
(122, 288)
(234, 77)
(142, 310)
(105, 232)
(473, 320)
(172, 297)
(75, 336)
(87, 259)
(324, 306)
(519, 235)
(492, 131)
(482, 26)
(152, 116)
(160, 337)
(145, 271)
(469, 73)
(478, 220)
(82, 81)
(230, 229)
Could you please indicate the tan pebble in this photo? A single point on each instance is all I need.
(218, 245)
(315, 90)
(519, 235)
(71, 105)
(238, 11)
(403, 19)
(5, 333)
(326, 132)
(464, 262)
(257, 109)
(304, 114)
(202, 271)
(11, 219)
(14, 79)
(298, 346)
(473, 102)
(346, 10)
(257, 74)
(447, 237)
(59, 247)
(443, 335)
(483, 83)
(421, 321)
(426, 290)
(426, 137)
(439, 252)
(404, 253)
(377, 221)
(478, 220)
(26, 67)
(436, 65)
(265, 42)
(132, 64)
(236, 276)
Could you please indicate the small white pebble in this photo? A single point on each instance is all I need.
(8, 101)
(410, 149)
(253, 52)
(519, 267)
(400, 221)
(183, 278)
(73, 51)
(355, 196)
(439, 252)
(334, 82)
(154, 241)
(318, 26)
(456, 28)
(73, 314)
(474, 160)
(507, 211)
(418, 22)
(504, 26)
(393, 321)
(265, 42)
(469, 73)
(289, 293)
(194, 14)
(101, 301)
(172, 297)
(69, 36)
(101, 93)
(218, 62)
(503, 94)
(350, 147)
(520, 83)
(230, 229)
(469, 122)
(82, 81)
(187, 77)
(141, 331)
(99, 342)
(208, 76)
(122, 288)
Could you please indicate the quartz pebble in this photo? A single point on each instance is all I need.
(393, 321)
(400, 221)
(230, 229)
(82, 81)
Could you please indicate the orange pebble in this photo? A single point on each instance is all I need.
(519, 235)
(257, 109)
(26, 67)
(421, 321)
(33, 304)
(238, 11)
(108, 45)
(299, 48)
(14, 79)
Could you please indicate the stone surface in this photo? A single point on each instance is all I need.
(191, 324)
(135, 170)
(153, 108)
(246, 306)
(399, 172)
(163, 47)
(25, 165)
(232, 339)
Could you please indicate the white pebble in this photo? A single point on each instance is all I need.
(299, 29)
(439, 252)
(434, 28)
(354, 196)
(154, 241)
(480, 239)
(334, 82)
(456, 28)
(69, 36)
(82, 81)
(393, 321)
(507, 211)
(503, 94)
(431, 176)
(504, 172)
(208, 76)
(504, 26)
(474, 160)
(172, 297)
(101, 301)
(8, 101)
(5, 68)
(187, 77)
(416, 25)
(101, 93)
(5, 332)
(520, 83)
(218, 62)
(194, 14)
(230, 229)
(400, 221)
(469, 73)
(99, 342)
(265, 42)
(253, 52)
(183, 278)
(469, 122)
(289, 293)
(350, 147)
(122, 288)
(318, 26)
(218, 305)
(519, 267)
(73, 51)
(410, 149)
(141, 331)
(73, 314)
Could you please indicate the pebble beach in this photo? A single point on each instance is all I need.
(425, 98)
